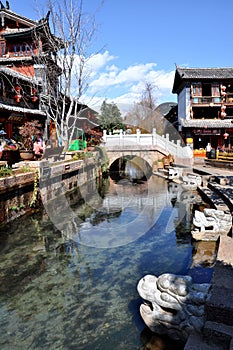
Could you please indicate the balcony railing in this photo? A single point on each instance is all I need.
(227, 99)
(24, 103)
(206, 99)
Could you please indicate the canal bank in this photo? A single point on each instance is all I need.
(22, 191)
(218, 327)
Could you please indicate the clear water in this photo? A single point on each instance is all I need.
(76, 289)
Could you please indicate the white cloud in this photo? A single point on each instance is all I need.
(125, 86)
(98, 61)
(116, 77)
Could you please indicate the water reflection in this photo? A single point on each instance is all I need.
(75, 288)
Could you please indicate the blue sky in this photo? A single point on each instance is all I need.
(143, 40)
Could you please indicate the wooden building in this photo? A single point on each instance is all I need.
(24, 44)
(205, 106)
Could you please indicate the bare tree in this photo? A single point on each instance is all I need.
(143, 113)
(148, 99)
(64, 63)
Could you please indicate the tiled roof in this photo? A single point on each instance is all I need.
(206, 73)
(183, 75)
(13, 73)
(12, 15)
(210, 123)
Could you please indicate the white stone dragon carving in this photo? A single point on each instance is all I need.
(173, 304)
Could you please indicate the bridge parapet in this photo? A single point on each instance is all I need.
(148, 142)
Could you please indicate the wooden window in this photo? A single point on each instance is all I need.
(15, 50)
(215, 89)
(21, 50)
(196, 89)
(2, 52)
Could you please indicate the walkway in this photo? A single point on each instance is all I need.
(200, 166)
(218, 328)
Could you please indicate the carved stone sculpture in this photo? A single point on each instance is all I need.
(191, 181)
(174, 173)
(211, 223)
(173, 304)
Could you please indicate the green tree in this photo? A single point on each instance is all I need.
(110, 117)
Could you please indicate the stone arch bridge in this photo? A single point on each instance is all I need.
(149, 147)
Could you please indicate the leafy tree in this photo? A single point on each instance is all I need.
(110, 117)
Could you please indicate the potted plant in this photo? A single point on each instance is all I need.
(94, 138)
(28, 133)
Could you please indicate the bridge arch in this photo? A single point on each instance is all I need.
(131, 166)
(150, 156)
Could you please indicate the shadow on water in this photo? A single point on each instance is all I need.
(153, 341)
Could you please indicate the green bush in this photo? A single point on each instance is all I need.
(5, 171)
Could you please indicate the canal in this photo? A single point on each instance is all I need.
(75, 288)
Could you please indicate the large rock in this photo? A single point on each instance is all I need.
(173, 304)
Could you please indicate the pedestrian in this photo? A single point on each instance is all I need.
(38, 149)
(208, 149)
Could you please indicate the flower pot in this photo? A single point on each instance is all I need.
(26, 155)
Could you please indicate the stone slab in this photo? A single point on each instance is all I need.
(219, 305)
(198, 342)
(218, 331)
(225, 251)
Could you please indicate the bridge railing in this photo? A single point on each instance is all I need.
(124, 140)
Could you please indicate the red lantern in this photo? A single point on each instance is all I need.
(17, 89)
(17, 98)
(34, 98)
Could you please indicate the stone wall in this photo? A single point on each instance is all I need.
(21, 193)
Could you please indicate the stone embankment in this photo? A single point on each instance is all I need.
(20, 192)
(217, 333)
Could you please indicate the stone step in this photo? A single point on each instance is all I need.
(213, 198)
(219, 303)
(198, 342)
(218, 332)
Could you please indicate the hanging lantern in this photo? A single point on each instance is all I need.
(17, 89)
(34, 98)
(34, 95)
(223, 88)
(223, 114)
(17, 98)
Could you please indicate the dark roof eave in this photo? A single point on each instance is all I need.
(22, 110)
(209, 123)
(12, 15)
(184, 75)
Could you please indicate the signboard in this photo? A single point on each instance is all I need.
(206, 131)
